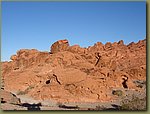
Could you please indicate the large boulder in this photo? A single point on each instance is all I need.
(77, 49)
(60, 45)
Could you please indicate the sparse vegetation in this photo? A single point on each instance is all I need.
(140, 83)
(117, 92)
(25, 91)
(100, 107)
(135, 103)
(99, 77)
(21, 93)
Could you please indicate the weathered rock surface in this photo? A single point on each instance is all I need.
(8, 97)
(60, 45)
(76, 74)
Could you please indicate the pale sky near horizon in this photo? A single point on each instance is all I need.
(36, 25)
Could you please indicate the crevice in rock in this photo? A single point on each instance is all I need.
(107, 74)
(98, 96)
(68, 107)
(98, 56)
(124, 83)
(16, 68)
(56, 79)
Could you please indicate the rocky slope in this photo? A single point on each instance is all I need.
(75, 74)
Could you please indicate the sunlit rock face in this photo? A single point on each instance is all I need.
(75, 74)
(60, 45)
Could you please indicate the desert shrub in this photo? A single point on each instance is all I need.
(117, 92)
(25, 91)
(30, 87)
(100, 107)
(140, 83)
(21, 93)
(135, 103)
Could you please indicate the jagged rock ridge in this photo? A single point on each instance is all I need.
(74, 74)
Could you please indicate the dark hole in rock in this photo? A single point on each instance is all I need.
(38, 75)
(124, 83)
(117, 92)
(48, 82)
(16, 68)
(107, 74)
(2, 100)
(50, 53)
(14, 95)
(102, 78)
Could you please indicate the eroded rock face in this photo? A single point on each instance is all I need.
(77, 49)
(8, 97)
(76, 74)
(60, 45)
(26, 58)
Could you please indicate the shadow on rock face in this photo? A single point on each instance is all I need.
(2, 100)
(32, 106)
(116, 107)
(68, 107)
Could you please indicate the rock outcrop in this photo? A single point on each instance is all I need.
(76, 74)
(60, 45)
(8, 97)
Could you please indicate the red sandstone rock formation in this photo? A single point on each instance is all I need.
(8, 97)
(75, 74)
(60, 45)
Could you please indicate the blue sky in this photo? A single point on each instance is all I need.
(39, 24)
